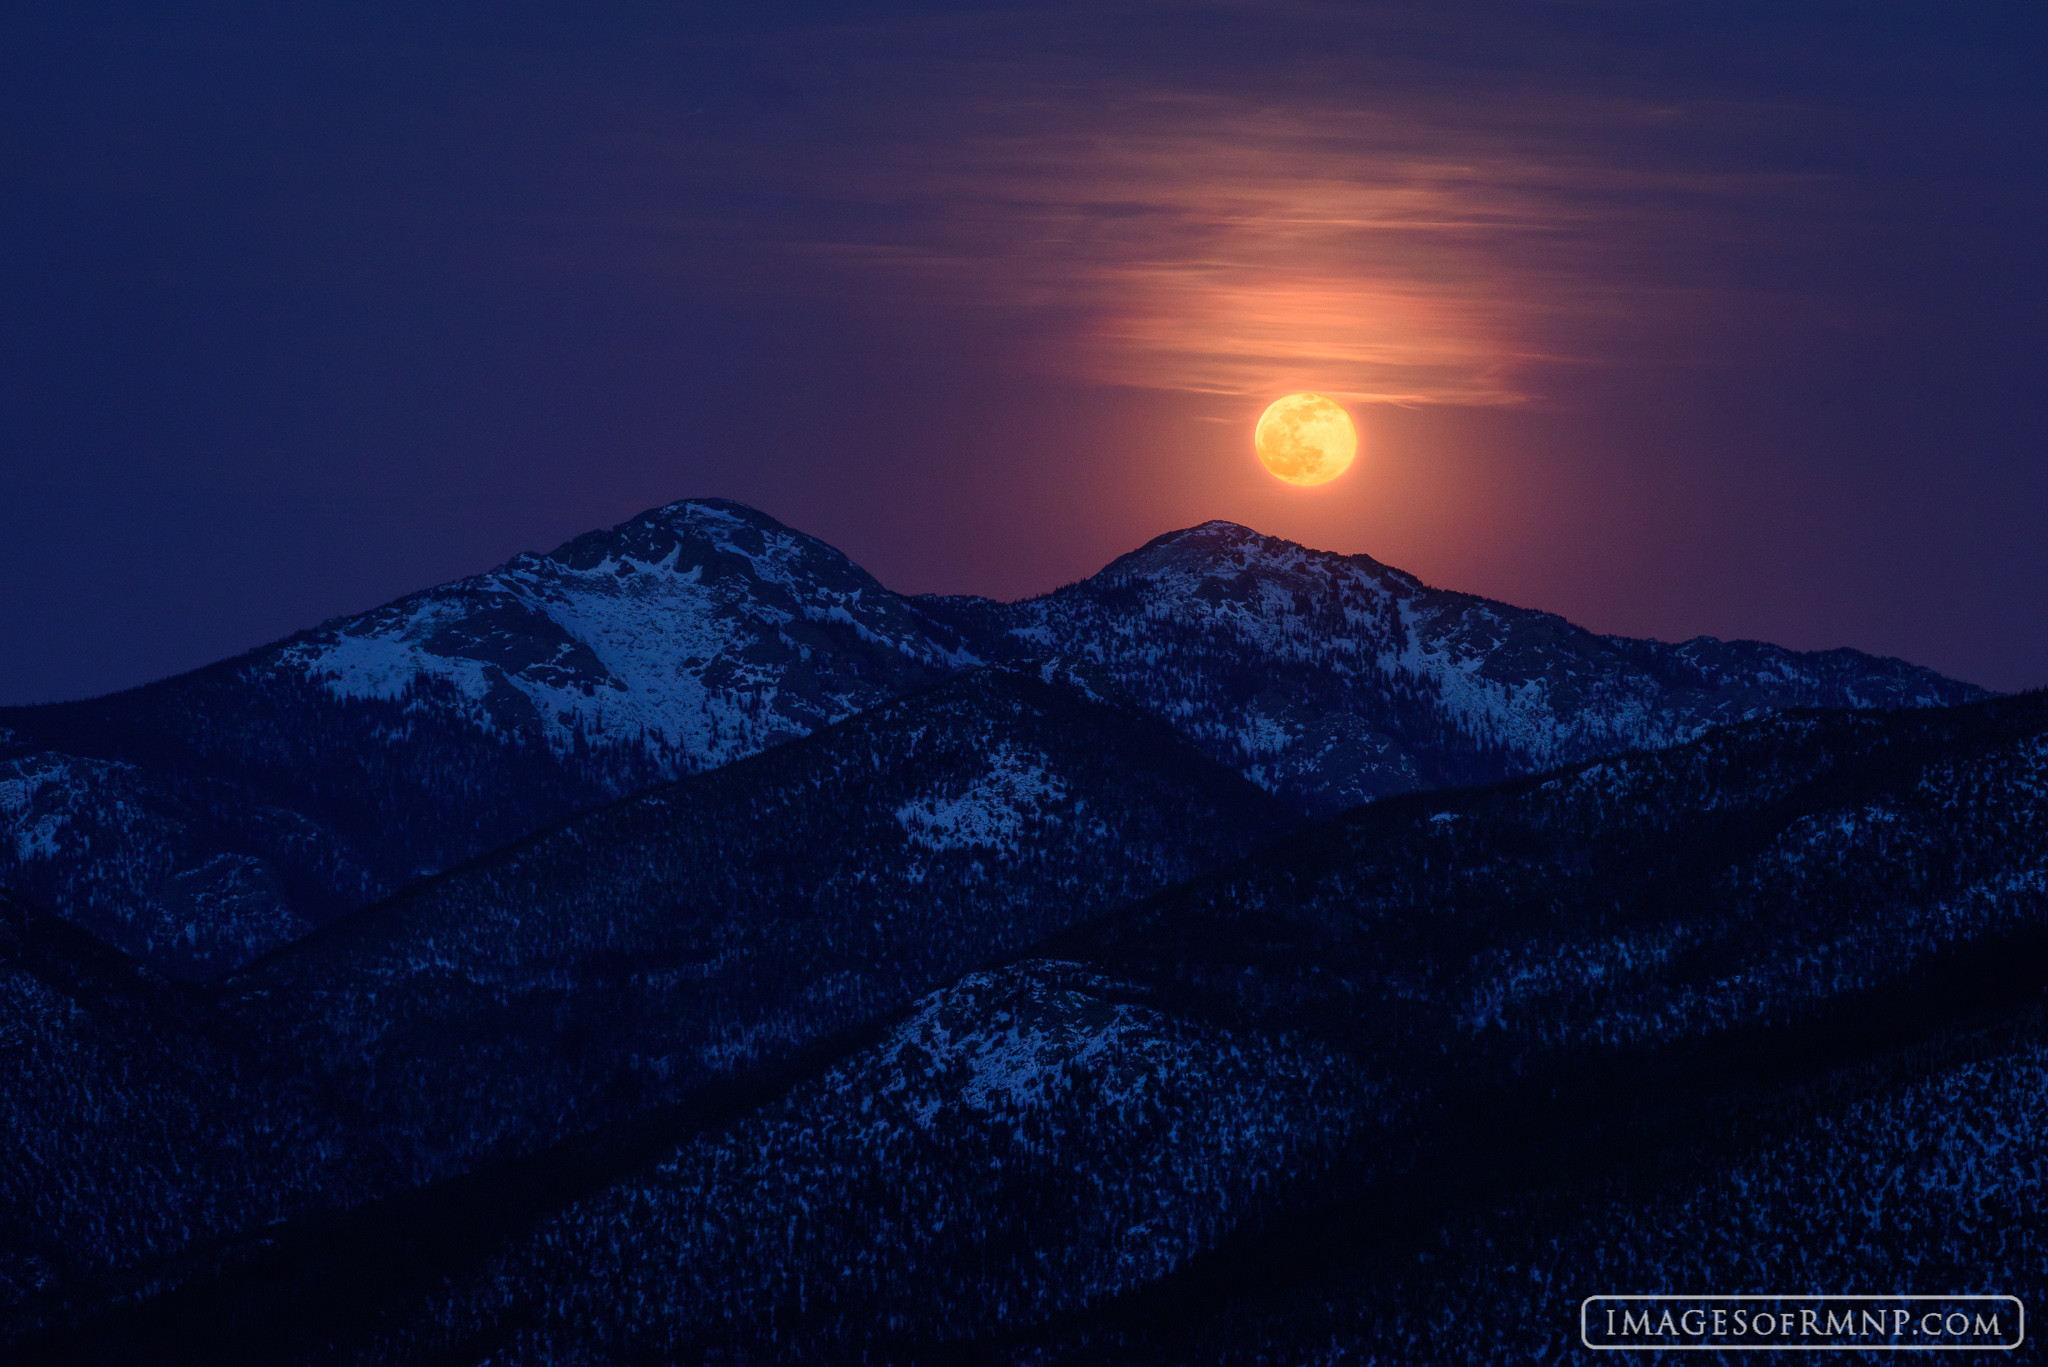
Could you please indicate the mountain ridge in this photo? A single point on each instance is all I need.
(1333, 679)
(201, 820)
(1227, 1118)
(631, 959)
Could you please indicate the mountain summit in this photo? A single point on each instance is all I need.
(205, 819)
(700, 632)
(1334, 679)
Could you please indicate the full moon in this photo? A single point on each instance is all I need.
(1306, 439)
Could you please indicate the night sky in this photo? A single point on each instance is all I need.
(1677, 319)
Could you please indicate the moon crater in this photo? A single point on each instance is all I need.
(1305, 439)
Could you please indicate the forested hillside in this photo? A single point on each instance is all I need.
(1760, 1010)
(622, 966)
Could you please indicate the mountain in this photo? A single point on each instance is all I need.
(199, 821)
(702, 632)
(203, 820)
(1765, 1008)
(1760, 1011)
(1333, 679)
(1028, 1142)
(712, 927)
(629, 967)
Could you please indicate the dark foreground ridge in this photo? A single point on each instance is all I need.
(1763, 1009)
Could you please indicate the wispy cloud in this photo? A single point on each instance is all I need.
(1213, 246)
(1241, 251)
(1396, 248)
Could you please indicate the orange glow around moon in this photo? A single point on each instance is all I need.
(1306, 439)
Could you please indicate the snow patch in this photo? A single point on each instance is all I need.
(690, 662)
(39, 796)
(954, 1050)
(1018, 787)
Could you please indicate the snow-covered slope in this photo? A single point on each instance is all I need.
(203, 820)
(298, 782)
(1334, 679)
(1031, 1141)
(703, 631)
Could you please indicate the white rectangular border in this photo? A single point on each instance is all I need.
(1799, 1347)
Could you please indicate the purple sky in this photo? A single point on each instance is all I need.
(1672, 318)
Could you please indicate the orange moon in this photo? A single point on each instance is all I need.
(1305, 439)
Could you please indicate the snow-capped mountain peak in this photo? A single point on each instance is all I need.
(310, 777)
(1332, 679)
(703, 630)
